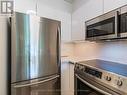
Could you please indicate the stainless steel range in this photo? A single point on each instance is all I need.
(99, 77)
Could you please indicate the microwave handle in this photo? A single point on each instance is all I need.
(116, 22)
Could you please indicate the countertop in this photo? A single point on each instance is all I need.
(71, 60)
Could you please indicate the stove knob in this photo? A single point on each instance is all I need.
(108, 78)
(82, 69)
(119, 83)
(77, 66)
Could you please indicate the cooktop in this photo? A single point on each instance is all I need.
(114, 67)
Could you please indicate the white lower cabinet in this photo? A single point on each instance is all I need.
(67, 79)
(71, 76)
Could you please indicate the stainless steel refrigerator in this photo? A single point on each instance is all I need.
(35, 55)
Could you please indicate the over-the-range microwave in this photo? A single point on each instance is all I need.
(112, 25)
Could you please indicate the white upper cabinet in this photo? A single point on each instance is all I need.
(57, 10)
(84, 11)
(113, 4)
(25, 6)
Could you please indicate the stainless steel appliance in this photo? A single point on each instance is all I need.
(112, 25)
(99, 77)
(35, 55)
(103, 27)
(123, 22)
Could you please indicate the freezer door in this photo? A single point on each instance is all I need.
(35, 47)
(49, 86)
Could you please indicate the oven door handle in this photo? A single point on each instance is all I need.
(95, 88)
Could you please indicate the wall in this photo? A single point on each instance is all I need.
(53, 9)
(67, 49)
(114, 51)
(86, 50)
(3, 56)
(111, 51)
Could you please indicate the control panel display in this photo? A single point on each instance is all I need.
(93, 72)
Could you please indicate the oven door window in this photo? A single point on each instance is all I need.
(105, 27)
(83, 89)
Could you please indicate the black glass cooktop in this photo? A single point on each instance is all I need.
(114, 67)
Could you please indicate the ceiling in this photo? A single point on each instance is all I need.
(70, 1)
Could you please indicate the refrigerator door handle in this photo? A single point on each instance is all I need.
(58, 45)
(35, 83)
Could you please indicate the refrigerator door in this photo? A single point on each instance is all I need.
(35, 47)
(49, 86)
(44, 47)
(48, 48)
(20, 47)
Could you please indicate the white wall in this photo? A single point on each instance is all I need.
(67, 49)
(3, 56)
(86, 50)
(53, 9)
(25, 5)
(57, 4)
(114, 51)
(111, 51)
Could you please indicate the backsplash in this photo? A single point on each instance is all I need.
(114, 51)
(110, 51)
(67, 49)
(86, 50)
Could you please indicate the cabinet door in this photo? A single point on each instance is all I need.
(65, 78)
(78, 32)
(27, 6)
(113, 4)
(87, 11)
(71, 79)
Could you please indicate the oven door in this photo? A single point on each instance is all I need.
(83, 87)
(103, 27)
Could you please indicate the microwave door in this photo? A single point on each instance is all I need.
(123, 22)
(103, 27)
